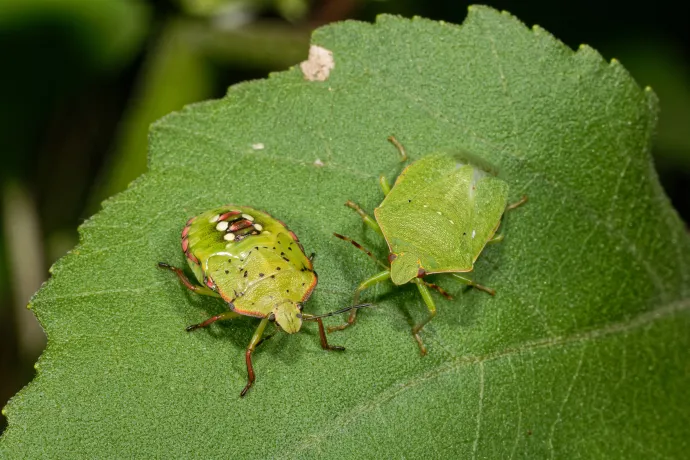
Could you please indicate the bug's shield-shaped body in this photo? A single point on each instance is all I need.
(253, 261)
(439, 215)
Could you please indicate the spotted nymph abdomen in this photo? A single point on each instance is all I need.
(252, 260)
(257, 265)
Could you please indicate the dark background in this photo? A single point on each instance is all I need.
(81, 81)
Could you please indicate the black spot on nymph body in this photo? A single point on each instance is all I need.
(245, 274)
(261, 275)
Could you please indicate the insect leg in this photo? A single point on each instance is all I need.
(522, 201)
(322, 335)
(468, 281)
(439, 289)
(265, 338)
(188, 284)
(499, 237)
(220, 317)
(362, 248)
(426, 296)
(365, 217)
(256, 339)
(385, 185)
(496, 239)
(399, 146)
(377, 278)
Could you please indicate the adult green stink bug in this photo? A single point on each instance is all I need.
(437, 218)
(254, 263)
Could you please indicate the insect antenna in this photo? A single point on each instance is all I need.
(362, 248)
(337, 312)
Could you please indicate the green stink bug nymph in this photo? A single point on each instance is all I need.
(437, 218)
(254, 263)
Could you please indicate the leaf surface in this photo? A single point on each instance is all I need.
(581, 354)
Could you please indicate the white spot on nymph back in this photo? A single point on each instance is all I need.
(474, 232)
(229, 237)
(258, 227)
(258, 146)
(214, 219)
(248, 217)
(222, 226)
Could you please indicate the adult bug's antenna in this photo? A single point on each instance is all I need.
(337, 312)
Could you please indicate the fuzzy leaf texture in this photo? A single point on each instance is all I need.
(581, 354)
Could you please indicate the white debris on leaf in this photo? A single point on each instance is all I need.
(319, 64)
(318, 162)
(258, 146)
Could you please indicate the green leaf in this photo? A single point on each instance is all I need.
(581, 354)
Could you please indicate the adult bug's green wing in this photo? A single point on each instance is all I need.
(490, 200)
(423, 215)
(439, 215)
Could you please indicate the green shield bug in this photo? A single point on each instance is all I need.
(437, 218)
(254, 263)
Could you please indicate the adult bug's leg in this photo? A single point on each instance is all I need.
(256, 339)
(399, 146)
(365, 217)
(385, 185)
(426, 296)
(439, 289)
(185, 281)
(361, 248)
(377, 278)
(469, 282)
(520, 202)
(496, 239)
(499, 237)
(220, 317)
(383, 182)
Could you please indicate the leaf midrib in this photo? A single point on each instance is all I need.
(459, 362)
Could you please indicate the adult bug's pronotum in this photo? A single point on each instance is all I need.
(257, 265)
(437, 218)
